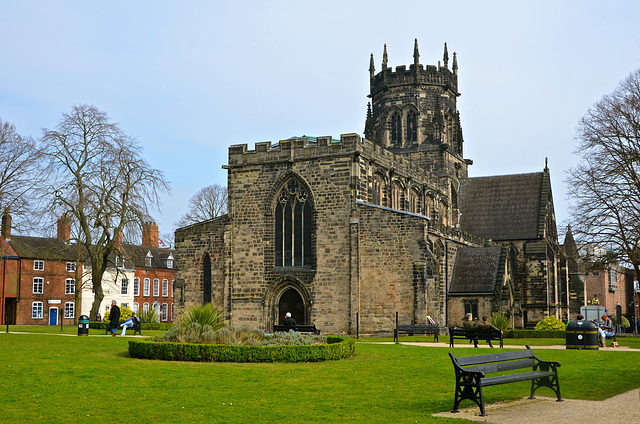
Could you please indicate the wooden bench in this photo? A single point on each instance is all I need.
(298, 328)
(136, 328)
(426, 329)
(471, 374)
(474, 334)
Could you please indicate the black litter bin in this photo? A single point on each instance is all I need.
(83, 325)
(582, 334)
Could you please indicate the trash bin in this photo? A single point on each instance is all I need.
(83, 325)
(582, 334)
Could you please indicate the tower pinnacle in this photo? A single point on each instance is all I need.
(445, 57)
(385, 58)
(416, 54)
(372, 68)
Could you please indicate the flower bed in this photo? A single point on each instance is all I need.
(336, 348)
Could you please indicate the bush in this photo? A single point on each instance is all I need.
(550, 323)
(149, 316)
(625, 322)
(533, 334)
(206, 334)
(203, 315)
(335, 348)
(125, 314)
(501, 321)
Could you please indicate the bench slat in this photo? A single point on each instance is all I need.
(511, 378)
(503, 366)
(494, 357)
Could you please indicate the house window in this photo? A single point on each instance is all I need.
(38, 265)
(596, 273)
(69, 309)
(156, 307)
(70, 286)
(147, 259)
(71, 267)
(165, 288)
(164, 312)
(613, 280)
(136, 307)
(119, 262)
(172, 312)
(172, 283)
(170, 261)
(147, 286)
(156, 287)
(124, 288)
(136, 286)
(36, 310)
(124, 305)
(145, 307)
(38, 285)
(376, 191)
(293, 226)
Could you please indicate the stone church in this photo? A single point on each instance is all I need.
(345, 233)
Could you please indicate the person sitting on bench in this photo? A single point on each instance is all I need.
(289, 323)
(129, 323)
(467, 322)
(486, 325)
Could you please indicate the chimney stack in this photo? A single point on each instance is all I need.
(64, 228)
(6, 224)
(150, 235)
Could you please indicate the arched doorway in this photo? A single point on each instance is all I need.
(291, 301)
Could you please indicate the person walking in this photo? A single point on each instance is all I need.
(114, 318)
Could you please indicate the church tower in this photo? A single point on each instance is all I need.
(413, 113)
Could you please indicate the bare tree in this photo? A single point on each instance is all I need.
(21, 172)
(102, 182)
(605, 187)
(208, 203)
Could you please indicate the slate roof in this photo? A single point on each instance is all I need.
(137, 255)
(45, 248)
(506, 207)
(478, 270)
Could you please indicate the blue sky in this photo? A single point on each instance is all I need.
(188, 79)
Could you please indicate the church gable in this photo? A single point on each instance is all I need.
(504, 207)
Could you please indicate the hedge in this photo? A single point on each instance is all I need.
(336, 348)
(102, 325)
(534, 334)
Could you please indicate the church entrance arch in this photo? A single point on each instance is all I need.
(291, 301)
(287, 295)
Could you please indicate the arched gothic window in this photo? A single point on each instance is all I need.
(412, 126)
(376, 191)
(396, 128)
(293, 226)
(206, 278)
(414, 201)
(398, 196)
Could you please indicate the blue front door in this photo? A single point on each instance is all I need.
(53, 316)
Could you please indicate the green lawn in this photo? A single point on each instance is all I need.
(72, 379)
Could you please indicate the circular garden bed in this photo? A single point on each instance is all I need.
(335, 348)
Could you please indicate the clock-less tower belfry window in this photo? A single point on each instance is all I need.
(413, 113)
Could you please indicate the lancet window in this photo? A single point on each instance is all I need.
(293, 226)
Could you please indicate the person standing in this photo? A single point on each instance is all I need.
(114, 318)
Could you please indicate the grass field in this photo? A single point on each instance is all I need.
(46, 377)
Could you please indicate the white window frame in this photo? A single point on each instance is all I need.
(69, 310)
(38, 282)
(145, 307)
(170, 263)
(36, 310)
(147, 287)
(71, 267)
(165, 288)
(136, 307)
(136, 286)
(156, 307)
(156, 287)
(147, 259)
(124, 287)
(70, 286)
(164, 312)
(38, 265)
(124, 305)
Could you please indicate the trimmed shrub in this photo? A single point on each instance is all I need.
(534, 334)
(335, 348)
(550, 323)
